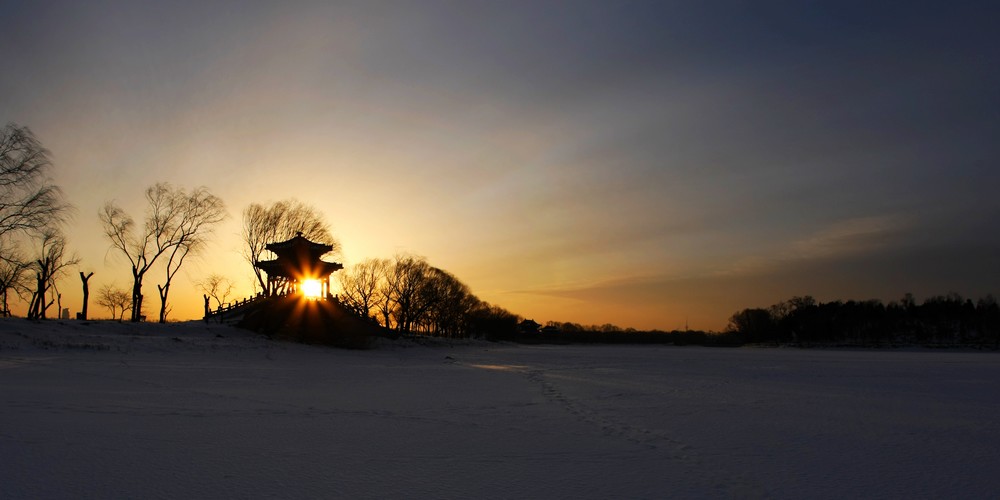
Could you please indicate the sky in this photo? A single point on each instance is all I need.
(651, 164)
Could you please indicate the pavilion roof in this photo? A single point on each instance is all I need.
(299, 243)
(297, 269)
(297, 258)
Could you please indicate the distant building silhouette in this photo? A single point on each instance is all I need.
(528, 326)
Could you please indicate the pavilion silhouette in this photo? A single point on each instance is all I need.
(282, 311)
(297, 261)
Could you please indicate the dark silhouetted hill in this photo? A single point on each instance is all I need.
(326, 322)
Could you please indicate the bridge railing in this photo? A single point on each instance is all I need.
(232, 306)
(239, 304)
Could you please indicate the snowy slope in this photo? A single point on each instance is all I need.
(99, 410)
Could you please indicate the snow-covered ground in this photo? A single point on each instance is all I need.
(107, 410)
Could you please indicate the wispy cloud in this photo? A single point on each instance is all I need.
(849, 237)
(841, 239)
(844, 239)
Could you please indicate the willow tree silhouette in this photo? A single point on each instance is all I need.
(176, 225)
(32, 212)
(280, 221)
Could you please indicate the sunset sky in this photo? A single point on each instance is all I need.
(647, 164)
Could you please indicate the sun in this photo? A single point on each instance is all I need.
(312, 289)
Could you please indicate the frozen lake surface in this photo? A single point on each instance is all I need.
(100, 410)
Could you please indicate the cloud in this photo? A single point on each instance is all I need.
(848, 238)
(851, 239)
(824, 261)
(845, 262)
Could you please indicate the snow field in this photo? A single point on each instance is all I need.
(100, 410)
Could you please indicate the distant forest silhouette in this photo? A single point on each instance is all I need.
(940, 320)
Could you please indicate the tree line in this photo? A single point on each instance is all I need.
(33, 251)
(404, 294)
(408, 295)
(177, 224)
(943, 319)
(33, 214)
(556, 332)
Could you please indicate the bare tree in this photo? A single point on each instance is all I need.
(28, 200)
(58, 298)
(85, 278)
(30, 205)
(360, 286)
(50, 265)
(409, 295)
(218, 287)
(141, 251)
(451, 303)
(410, 289)
(117, 300)
(195, 214)
(175, 223)
(278, 222)
(384, 297)
(13, 278)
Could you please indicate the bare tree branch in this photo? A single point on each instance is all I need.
(176, 224)
(13, 277)
(30, 207)
(218, 287)
(278, 222)
(195, 215)
(116, 300)
(28, 199)
(50, 265)
(360, 286)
